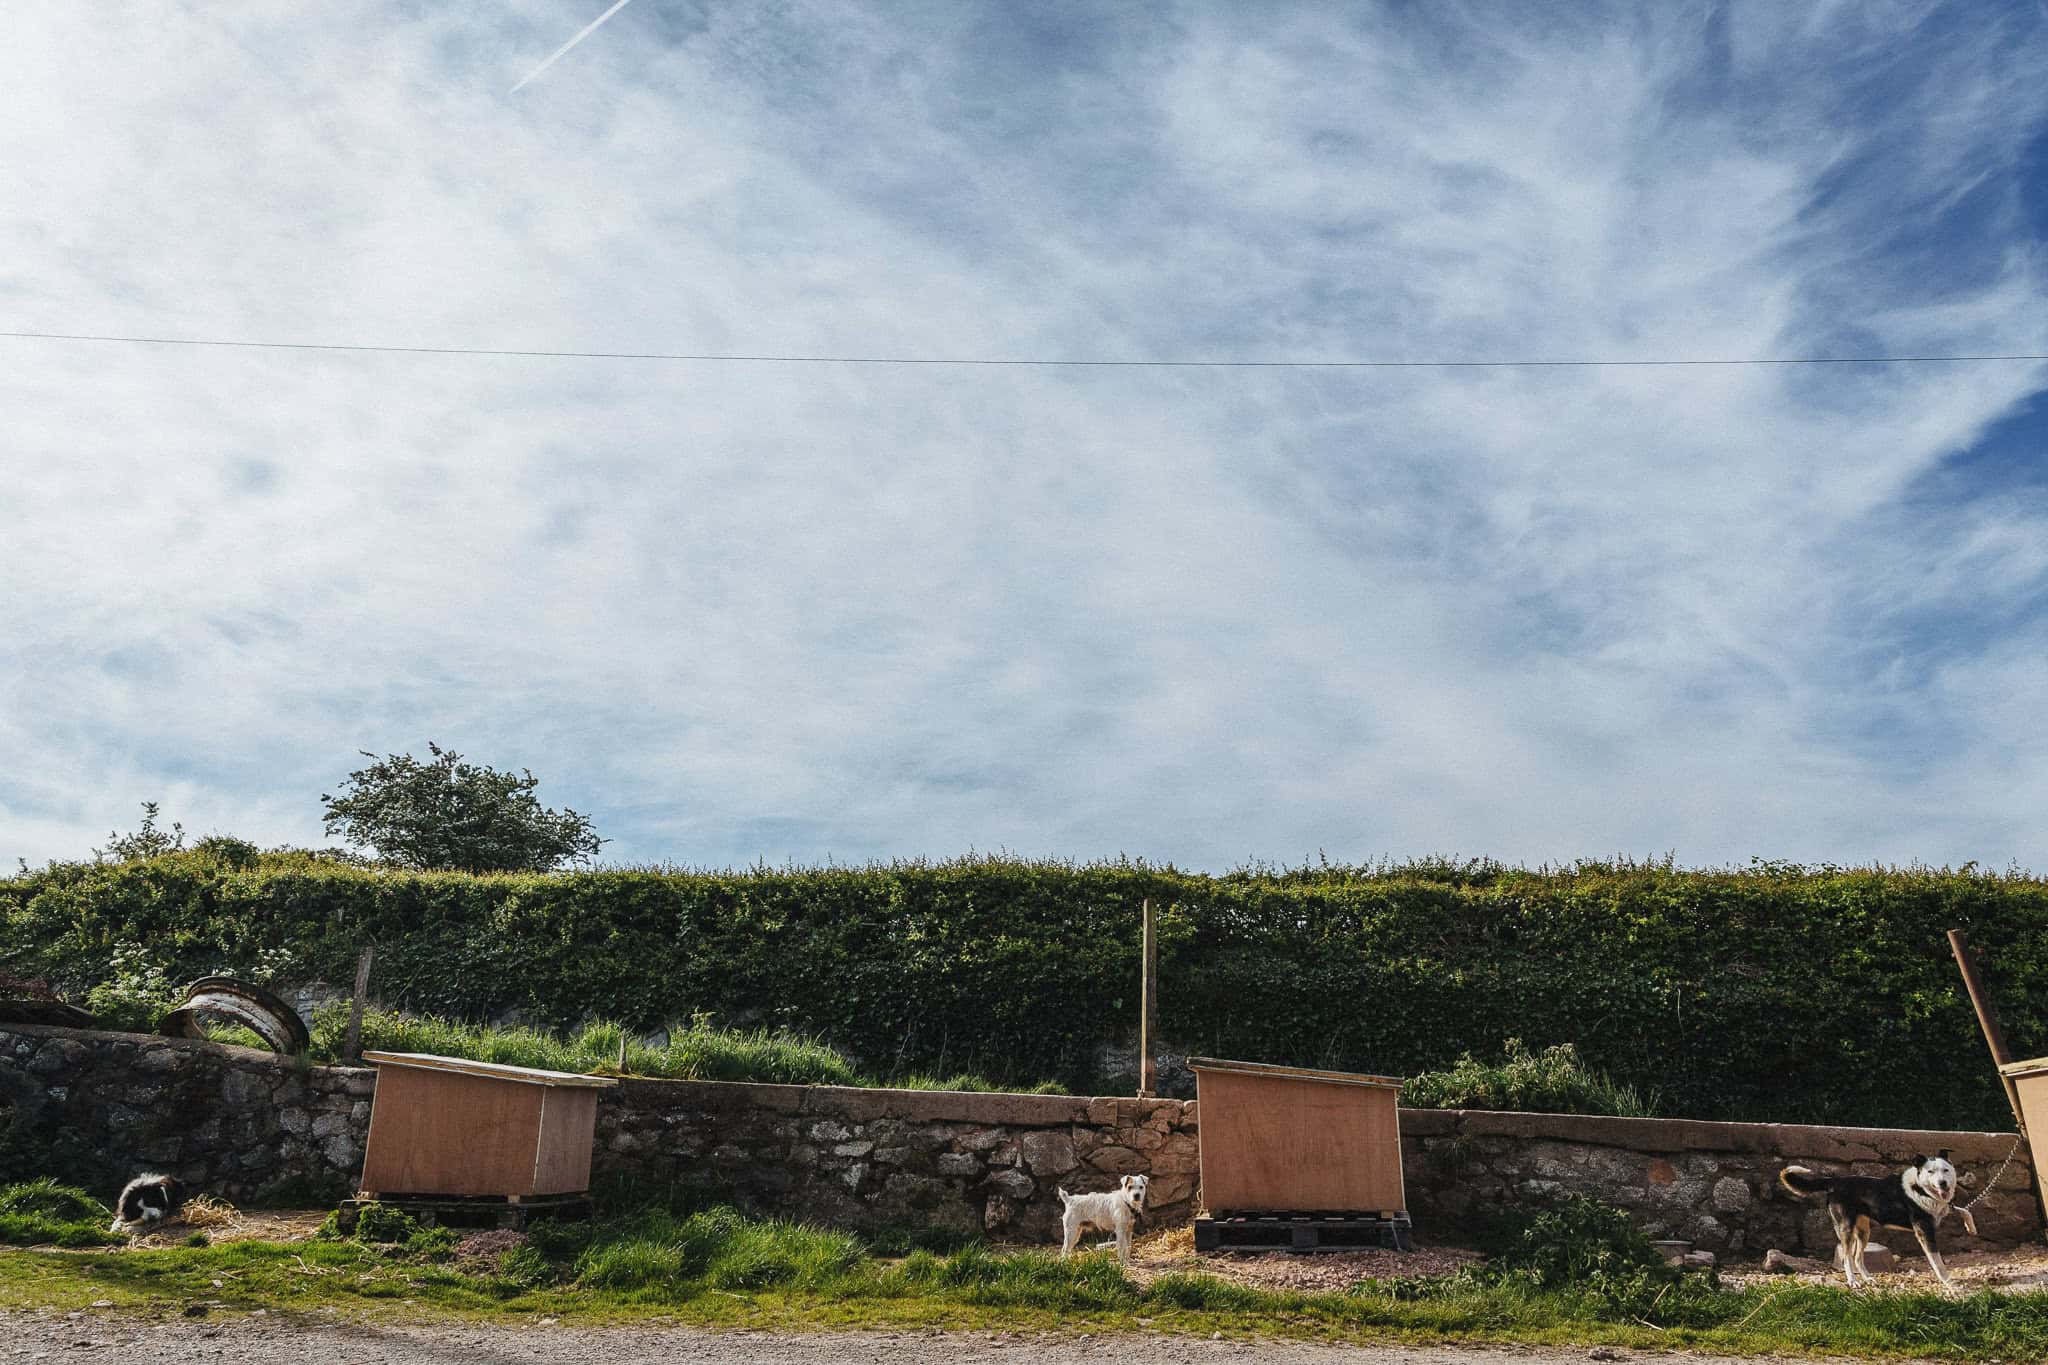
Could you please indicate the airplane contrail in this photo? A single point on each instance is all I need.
(587, 30)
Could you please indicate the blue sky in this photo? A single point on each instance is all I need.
(742, 612)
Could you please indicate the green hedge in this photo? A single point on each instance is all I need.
(1773, 993)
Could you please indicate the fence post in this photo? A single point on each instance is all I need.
(1987, 1019)
(1994, 1038)
(352, 1045)
(1148, 1011)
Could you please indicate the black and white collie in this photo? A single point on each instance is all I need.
(144, 1200)
(1916, 1201)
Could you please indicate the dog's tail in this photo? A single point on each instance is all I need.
(1065, 1198)
(1803, 1182)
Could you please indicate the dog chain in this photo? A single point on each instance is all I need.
(1994, 1179)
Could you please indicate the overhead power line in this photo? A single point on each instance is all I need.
(1044, 361)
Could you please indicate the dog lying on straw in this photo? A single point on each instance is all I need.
(146, 1200)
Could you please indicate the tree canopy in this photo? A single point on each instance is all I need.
(147, 842)
(443, 813)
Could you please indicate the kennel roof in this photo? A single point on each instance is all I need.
(497, 1071)
(1300, 1073)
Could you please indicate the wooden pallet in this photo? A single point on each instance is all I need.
(1389, 1229)
(472, 1211)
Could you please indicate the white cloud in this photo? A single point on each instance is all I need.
(762, 611)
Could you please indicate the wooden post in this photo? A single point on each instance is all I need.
(1148, 1012)
(1987, 1019)
(352, 1046)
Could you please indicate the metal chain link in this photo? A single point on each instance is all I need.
(1994, 1179)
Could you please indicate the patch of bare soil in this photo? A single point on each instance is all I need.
(2009, 1272)
(1174, 1249)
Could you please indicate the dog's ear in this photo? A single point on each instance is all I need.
(1917, 1162)
(1944, 1154)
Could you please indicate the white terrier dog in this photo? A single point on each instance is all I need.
(1114, 1210)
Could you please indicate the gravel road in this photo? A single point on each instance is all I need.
(55, 1338)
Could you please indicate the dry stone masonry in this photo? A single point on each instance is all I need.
(236, 1122)
(246, 1125)
(1712, 1184)
(974, 1162)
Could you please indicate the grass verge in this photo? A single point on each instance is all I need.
(716, 1268)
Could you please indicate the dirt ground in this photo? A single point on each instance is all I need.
(275, 1340)
(2019, 1271)
(1174, 1249)
(2009, 1272)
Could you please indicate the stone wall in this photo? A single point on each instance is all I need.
(246, 1124)
(978, 1163)
(1713, 1184)
(243, 1124)
(236, 1122)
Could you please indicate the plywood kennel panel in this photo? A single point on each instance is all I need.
(1285, 1139)
(449, 1126)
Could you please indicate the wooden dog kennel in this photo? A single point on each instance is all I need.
(1298, 1158)
(2028, 1084)
(446, 1129)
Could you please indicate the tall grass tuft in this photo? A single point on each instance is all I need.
(702, 1052)
(697, 1051)
(719, 1248)
(657, 1254)
(43, 1212)
(1553, 1081)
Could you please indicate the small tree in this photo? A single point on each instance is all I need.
(455, 816)
(146, 842)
